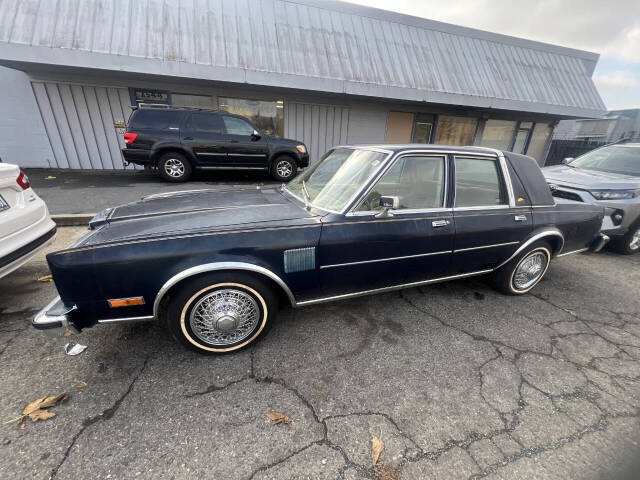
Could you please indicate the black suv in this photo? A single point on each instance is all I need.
(177, 140)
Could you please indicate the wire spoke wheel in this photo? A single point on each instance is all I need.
(224, 317)
(529, 270)
(174, 167)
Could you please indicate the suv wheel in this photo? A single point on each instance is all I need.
(174, 167)
(629, 243)
(284, 168)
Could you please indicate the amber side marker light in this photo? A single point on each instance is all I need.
(125, 302)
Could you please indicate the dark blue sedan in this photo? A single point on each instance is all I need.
(216, 265)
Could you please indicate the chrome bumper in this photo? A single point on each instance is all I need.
(54, 319)
(599, 242)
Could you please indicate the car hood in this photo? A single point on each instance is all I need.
(197, 211)
(589, 179)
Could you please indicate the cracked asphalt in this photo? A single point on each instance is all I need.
(458, 381)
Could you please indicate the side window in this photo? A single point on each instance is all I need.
(237, 126)
(418, 181)
(206, 122)
(479, 183)
(154, 118)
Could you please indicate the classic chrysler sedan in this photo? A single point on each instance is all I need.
(215, 265)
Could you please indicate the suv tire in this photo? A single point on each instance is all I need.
(629, 243)
(174, 167)
(284, 168)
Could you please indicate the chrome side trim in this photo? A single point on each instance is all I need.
(211, 167)
(247, 154)
(212, 267)
(572, 252)
(127, 319)
(549, 232)
(383, 259)
(389, 289)
(212, 154)
(485, 246)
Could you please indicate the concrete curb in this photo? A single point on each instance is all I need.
(72, 219)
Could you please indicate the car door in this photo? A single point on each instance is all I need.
(246, 147)
(204, 135)
(364, 250)
(489, 228)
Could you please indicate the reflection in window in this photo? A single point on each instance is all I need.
(524, 131)
(452, 130)
(268, 116)
(417, 181)
(237, 126)
(478, 183)
(195, 101)
(206, 122)
(498, 134)
(422, 128)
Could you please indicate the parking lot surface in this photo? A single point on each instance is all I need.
(457, 380)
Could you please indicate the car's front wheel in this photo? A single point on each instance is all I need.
(524, 272)
(221, 312)
(284, 168)
(174, 167)
(629, 243)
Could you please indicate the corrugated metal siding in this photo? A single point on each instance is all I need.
(79, 121)
(309, 40)
(320, 127)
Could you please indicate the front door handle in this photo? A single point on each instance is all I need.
(520, 218)
(440, 223)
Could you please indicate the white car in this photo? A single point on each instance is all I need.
(25, 224)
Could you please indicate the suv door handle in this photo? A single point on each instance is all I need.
(187, 138)
(520, 218)
(440, 223)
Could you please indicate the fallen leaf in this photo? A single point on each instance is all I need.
(49, 177)
(377, 446)
(41, 415)
(46, 278)
(384, 471)
(80, 385)
(37, 410)
(277, 417)
(570, 312)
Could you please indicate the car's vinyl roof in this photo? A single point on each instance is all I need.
(399, 147)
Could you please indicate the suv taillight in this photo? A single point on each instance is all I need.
(23, 180)
(130, 137)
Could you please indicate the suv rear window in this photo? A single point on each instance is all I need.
(156, 119)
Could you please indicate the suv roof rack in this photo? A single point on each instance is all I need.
(171, 107)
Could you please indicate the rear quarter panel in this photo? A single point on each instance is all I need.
(578, 222)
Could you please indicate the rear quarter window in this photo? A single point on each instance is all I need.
(155, 119)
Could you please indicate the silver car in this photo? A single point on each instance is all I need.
(608, 176)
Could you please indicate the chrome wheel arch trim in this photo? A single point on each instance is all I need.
(219, 266)
(547, 232)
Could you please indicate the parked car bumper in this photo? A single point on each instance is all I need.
(55, 319)
(303, 160)
(137, 155)
(599, 242)
(32, 240)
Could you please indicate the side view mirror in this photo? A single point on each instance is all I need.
(255, 136)
(387, 204)
(567, 160)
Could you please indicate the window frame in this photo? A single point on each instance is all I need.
(504, 177)
(352, 211)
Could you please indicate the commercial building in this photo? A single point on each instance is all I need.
(323, 72)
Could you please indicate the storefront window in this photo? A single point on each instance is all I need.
(195, 101)
(538, 141)
(524, 131)
(422, 128)
(452, 130)
(268, 116)
(498, 134)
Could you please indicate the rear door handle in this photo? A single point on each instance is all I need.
(520, 218)
(440, 223)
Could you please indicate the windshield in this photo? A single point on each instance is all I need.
(331, 182)
(615, 159)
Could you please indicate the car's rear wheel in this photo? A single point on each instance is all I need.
(221, 312)
(284, 168)
(629, 243)
(523, 272)
(174, 167)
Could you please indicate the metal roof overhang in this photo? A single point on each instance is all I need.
(46, 59)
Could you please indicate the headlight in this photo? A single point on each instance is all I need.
(301, 148)
(613, 194)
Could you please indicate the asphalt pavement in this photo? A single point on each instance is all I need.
(89, 191)
(457, 380)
